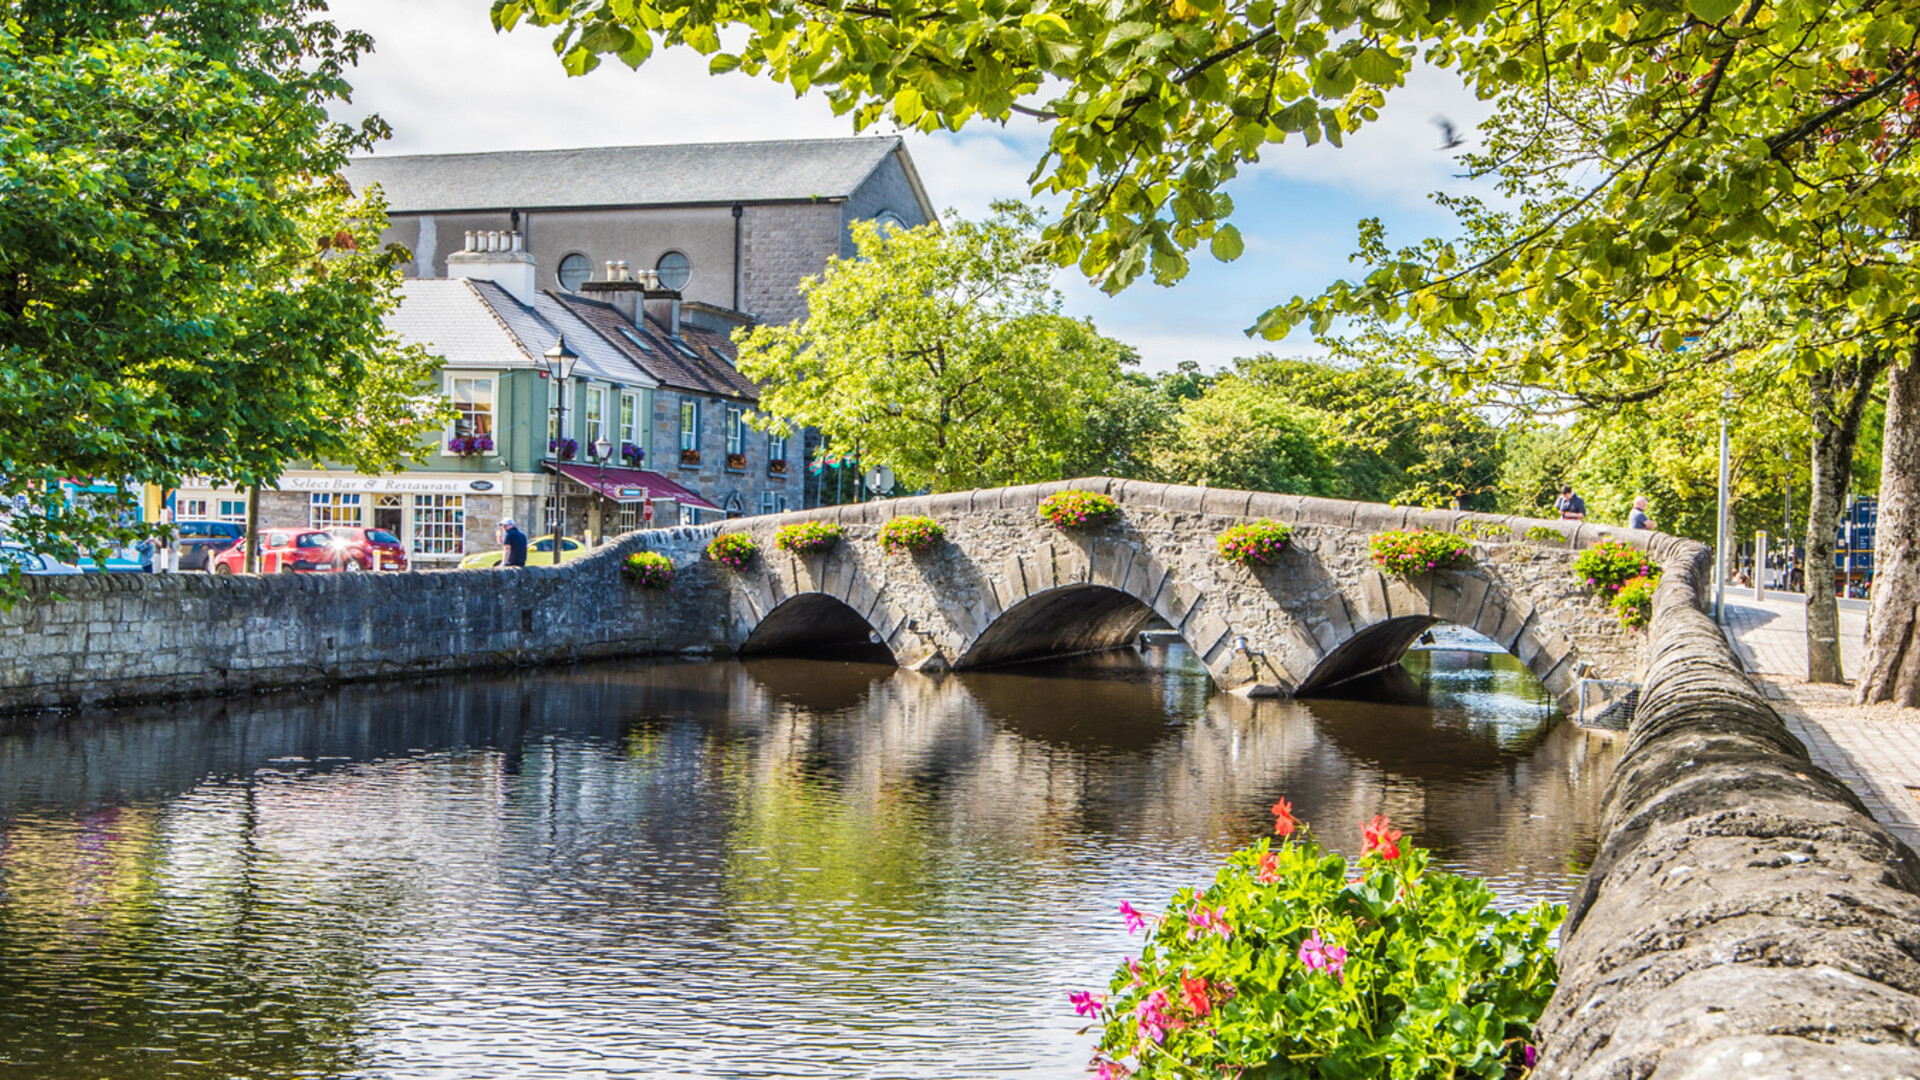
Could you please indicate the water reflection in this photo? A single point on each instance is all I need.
(784, 867)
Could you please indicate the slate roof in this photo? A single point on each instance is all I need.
(708, 370)
(680, 174)
(539, 327)
(447, 317)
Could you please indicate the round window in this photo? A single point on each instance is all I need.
(674, 269)
(574, 272)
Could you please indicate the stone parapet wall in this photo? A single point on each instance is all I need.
(1745, 917)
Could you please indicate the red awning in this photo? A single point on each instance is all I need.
(633, 485)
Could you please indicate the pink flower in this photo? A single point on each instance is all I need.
(1531, 1055)
(1110, 1070)
(1154, 1017)
(1320, 955)
(1205, 919)
(1133, 966)
(1135, 921)
(1086, 1004)
(1269, 869)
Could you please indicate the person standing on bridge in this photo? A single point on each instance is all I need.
(1572, 507)
(515, 543)
(1638, 518)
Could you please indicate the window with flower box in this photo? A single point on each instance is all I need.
(596, 410)
(472, 407)
(439, 525)
(776, 453)
(736, 440)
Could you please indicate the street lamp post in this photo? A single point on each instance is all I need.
(601, 449)
(560, 361)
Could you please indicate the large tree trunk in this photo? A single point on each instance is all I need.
(1893, 656)
(1838, 398)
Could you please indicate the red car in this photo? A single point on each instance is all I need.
(287, 551)
(370, 549)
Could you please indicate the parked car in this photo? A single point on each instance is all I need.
(370, 549)
(287, 551)
(131, 559)
(32, 562)
(199, 541)
(539, 553)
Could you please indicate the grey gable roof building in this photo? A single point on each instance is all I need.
(687, 174)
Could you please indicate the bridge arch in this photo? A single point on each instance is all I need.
(815, 623)
(1076, 618)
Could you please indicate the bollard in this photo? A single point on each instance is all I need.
(1760, 566)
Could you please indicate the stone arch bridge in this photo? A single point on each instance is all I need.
(1006, 586)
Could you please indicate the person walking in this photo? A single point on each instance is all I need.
(1638, 518)
(1572, 507)
(515, 543)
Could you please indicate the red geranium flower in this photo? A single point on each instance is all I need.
(1283, 819)
(1381, 838)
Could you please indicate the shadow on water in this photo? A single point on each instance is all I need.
(698, 868)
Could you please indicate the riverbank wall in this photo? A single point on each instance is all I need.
(1745, 916)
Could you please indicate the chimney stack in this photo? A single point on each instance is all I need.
(499, 257)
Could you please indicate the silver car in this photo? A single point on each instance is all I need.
(32, 562)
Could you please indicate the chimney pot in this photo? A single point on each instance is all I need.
(469, 240)
(519, 239)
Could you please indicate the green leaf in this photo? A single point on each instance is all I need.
(1712, 10)
(1227, 245)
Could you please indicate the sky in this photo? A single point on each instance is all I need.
(447, 83)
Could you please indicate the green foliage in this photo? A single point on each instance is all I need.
(1476, 529)
(1238, 435)
(648, 569)
(1411, 552)
(1079, 510)
(1545, 533)
(186, 289)
(733, 550)
(1634, 602)
(911, 533)
(941, 351)
(1255, 543)
(1293, 964)
(808, 537)
(1610, 564)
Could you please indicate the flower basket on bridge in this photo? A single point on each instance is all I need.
(1255, 543)
(648, 569)
(1410, 552)
(809, 537)
(1294, 955)
(1079, 510)
(1610, 564)
(733, 550)
(1634, 602)
(911, 534)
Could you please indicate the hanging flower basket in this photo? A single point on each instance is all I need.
(1256, 543)
(911, 534)
(1410, 552)
(648, 569)
(808, 537)
(1079, 510)
(1633, 604)
(564, 449)
(733, 550)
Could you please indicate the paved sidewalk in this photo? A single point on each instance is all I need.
(1876, 751)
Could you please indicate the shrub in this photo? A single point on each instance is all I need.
(648, 569)
(732, 550)
(1295, 964)
(1544, 532)
(1483, 530)
(1610, 564)
(1634, 602)
(808, 537)
(913, 534)
(1079, 510)
(1405, 553)
(1256, 543)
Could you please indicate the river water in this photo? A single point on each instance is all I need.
(676, 869)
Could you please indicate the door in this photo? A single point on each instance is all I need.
(386, 514)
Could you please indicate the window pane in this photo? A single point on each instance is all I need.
(234, 510)
(472, 407)
(336, 508)
(439, 524)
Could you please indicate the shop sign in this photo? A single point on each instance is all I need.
(481, 485)
(373, 484)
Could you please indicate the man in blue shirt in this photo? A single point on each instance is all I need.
(515, 543)
(1638, 519)
(1572, 507)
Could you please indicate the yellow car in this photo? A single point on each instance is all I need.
(539, 553)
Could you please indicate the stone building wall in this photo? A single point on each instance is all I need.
(782, 244)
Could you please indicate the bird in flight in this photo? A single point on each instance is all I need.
(1450, 137)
